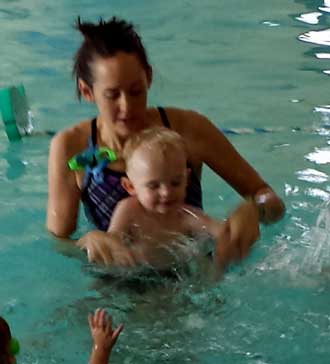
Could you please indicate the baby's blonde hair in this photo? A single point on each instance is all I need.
(155, 137)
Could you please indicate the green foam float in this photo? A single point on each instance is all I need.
(15, 112)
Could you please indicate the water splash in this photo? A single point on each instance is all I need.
(317, 258)
(179, 258)
(303, 260)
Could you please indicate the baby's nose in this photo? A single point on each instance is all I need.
(164, 191)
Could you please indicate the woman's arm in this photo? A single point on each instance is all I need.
(230, 245)
(63, 191)
(207, 144)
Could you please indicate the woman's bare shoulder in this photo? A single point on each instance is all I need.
(73, 139)
(188, 123)
(177, 117)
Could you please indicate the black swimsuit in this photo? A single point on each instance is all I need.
(100, 198)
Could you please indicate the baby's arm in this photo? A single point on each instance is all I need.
(104, 337)
(198, 222)
(228, 244)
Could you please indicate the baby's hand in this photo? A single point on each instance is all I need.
(100, 325)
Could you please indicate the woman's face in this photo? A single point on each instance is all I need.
(120, 92)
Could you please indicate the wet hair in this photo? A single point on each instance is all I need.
(5, 337)
(105, 39)
(159, 138)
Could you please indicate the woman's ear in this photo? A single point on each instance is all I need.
(85, 91)
(127, 185)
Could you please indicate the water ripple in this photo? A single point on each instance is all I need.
(322, 55)
(310, 18)
(326, 7)
(321, 37)
(42, 40)
(312, 175)
(14, 14)
(320, 156)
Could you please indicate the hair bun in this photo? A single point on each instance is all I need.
(88, 30)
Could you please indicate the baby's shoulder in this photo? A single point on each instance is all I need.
(129, 205)
(195, 219)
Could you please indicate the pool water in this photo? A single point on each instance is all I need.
(244, 65)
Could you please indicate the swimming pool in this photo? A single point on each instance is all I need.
(244, 64)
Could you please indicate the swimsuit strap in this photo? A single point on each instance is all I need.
(93, 132)
(164, 117)
(92, 141)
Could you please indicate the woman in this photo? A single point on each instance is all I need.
(112, 70)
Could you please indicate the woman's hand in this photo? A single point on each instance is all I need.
(271, 207)
(107, 248)
(237, 234)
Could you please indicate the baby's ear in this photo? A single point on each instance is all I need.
(127, 185)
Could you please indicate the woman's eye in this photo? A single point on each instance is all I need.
(136, 92)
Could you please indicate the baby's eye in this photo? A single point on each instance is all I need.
(113, 95)
(153, 185)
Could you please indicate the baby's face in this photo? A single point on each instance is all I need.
(159, 178)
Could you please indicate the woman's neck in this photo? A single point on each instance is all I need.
(106, 136)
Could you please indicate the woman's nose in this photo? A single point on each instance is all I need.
(125, 104)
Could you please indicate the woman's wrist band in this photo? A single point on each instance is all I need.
(261, 210)
(260, 202)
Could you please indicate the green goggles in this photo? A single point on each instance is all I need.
(86, 158)
(14, 346)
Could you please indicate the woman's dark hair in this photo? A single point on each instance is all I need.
(103, 40)
(5, 337)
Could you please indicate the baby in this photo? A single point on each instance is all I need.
(149, 226)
